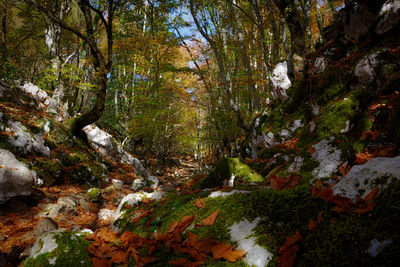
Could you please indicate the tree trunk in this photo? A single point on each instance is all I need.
(95, 113)
(4, 53)
(297, 34)
(225, 82)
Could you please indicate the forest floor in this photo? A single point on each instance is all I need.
(21, 222)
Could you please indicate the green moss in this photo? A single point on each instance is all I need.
(225, 169)
(345, 241)
(297, 95)
(94, 194)
(334, 90)
(391, 84)
(71, 251)
(337, 114)
(359, 146)
(74, 157)
(340, 239)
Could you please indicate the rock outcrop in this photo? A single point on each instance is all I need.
(15, 177)
(106, 145)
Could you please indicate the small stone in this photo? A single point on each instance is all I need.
(377, 246)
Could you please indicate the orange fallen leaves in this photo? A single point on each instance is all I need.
(311, 150)
(96, 262)
(108, 248)
(344, 168)
(343, 204)
(320, 218)
(312, 226)
(225, 251)
(288, 251)
(281, 183)
(105, 252)
(199, 203)
(210, 220)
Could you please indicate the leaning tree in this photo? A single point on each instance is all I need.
(97, 20)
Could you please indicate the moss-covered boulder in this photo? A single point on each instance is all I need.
(230, 169)
(59, 249)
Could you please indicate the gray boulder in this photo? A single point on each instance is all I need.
(362, 179)
(389, 17)
(15, 177)
(106, 145)
(320, 65)
(365, 70)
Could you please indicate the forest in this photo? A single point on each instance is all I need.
(199, 133)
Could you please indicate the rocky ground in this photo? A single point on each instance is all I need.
(72, 207)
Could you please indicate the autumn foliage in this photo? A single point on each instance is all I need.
(343, 204)
(109, 248)
(288, 251)
(281, 183)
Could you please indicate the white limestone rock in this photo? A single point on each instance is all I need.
(35, 92)
(280, 80)
(328, 157)
(106, 215)
(138, 184)
(365, 69)
(225, 194)
(15, 177)
(46, 243)
(347, 128)
(269, 139)
(285, 134)
(296, 124)
(242, 234)
(320, 65)
(296, 165)
(23, 139)
(105, 144)
(153, 181)
(134, 199)
(362, 179)
(315, 109)
(389, 17)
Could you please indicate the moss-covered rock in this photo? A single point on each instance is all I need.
(94, 194)
(230, 168)
(59, 249)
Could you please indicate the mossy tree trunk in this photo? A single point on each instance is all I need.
(101, 61)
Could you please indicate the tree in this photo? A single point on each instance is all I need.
(94, 14)
(222, 72)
